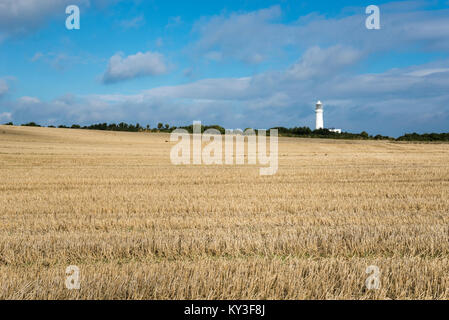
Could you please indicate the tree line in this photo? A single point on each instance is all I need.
(122, 126)
(304, 132)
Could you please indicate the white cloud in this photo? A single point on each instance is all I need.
(133, 23)
(4, 88)
(174, 22)
(257, 36)
(207, 89)
(318, 62)
(5, 116)
(37, 56)
(19, 17)
(138, 65)
(63, 61)
(214, 56)
(188, 72)
(29, 100)
(159, 42)
(244, 36)
(23, 16)
(427, 72)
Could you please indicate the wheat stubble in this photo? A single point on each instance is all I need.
(140, 228)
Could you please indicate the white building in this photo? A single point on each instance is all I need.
(319, 123)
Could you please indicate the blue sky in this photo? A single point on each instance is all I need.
(253, 63)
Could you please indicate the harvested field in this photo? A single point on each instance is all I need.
(139, 227)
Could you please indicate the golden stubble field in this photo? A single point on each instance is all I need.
(139, 227)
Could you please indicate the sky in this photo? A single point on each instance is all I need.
(239, 64)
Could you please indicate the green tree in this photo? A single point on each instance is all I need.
(31, 124)
(364, 134)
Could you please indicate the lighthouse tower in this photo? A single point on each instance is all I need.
(319, 115)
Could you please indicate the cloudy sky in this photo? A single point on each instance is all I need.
(246, 63)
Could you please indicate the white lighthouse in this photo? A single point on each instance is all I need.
(319, 116)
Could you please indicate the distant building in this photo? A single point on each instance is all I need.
(319, 123)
